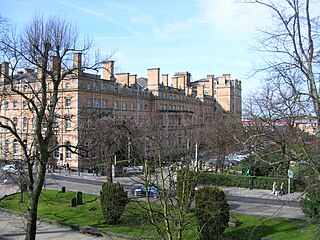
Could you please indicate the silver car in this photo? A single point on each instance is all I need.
(10, 169)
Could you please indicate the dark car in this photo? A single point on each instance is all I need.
(153, 191)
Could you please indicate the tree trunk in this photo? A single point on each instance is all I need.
(32, 219)
(34, 195)
(109, 170)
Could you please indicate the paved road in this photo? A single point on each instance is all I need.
(241, 200)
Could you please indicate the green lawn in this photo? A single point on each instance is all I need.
(56, 205)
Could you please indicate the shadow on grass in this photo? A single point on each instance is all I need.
(249, 233)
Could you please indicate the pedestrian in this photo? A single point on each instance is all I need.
(65, 169)
(68, 168)
(274, 188)
(282, 189)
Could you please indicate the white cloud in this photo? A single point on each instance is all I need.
(228, 15)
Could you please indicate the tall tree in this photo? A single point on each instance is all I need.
(47, 45)
(291, 48)
(222, 135)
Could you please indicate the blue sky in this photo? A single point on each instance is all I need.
(199, 36)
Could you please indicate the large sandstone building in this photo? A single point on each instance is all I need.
(122, 96)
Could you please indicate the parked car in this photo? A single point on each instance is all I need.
(153, 191)
(133, 169)
(10, 169)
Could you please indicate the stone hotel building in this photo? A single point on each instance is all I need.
(121, 95)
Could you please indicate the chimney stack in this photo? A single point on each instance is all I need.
(200, 92)
(40, 68)
(227, 76)
(54, 63)
(108, 70)
(211, 85)
(133, 80)
(154, 80)
(77, 64)
(181, 82)
(175, 82)
(165, 80)
(123, 78)
(4, 71)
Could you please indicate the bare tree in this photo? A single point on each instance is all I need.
(102, 136)
(222, 135)
(275, 132)
(290, 47)
(47, 45)
(167, 144)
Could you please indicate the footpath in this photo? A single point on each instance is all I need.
(241, 200)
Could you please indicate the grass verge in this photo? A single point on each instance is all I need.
(57, 206)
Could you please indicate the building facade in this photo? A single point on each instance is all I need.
(180, 106)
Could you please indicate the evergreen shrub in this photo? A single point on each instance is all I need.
(113, 202)
(311, 204)
(212, 213)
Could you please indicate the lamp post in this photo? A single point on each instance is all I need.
(196, 157)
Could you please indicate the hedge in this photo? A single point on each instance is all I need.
(254, 182)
